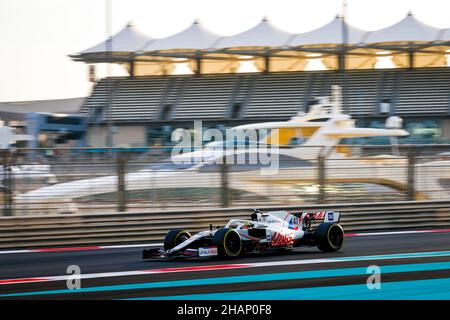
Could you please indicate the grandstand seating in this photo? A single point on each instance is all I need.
(205, 97)
(138, 98)
(95, 103)
(267, 96)
(277, 94)
(424, 92)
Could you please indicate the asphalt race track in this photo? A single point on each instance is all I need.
(413, 266)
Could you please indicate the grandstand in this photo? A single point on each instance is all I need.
(152, 99)
(231, 99)
(268, 96)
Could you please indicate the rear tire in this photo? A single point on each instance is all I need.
(174, 238)
(228, 242)
(329, 236)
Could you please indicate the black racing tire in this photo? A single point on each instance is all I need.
(174, 238)
(228, 242)
(329, 236)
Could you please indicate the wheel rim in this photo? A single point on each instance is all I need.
(335, 236)
(232, 243)
(181, 238)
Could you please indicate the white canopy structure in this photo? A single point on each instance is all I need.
(195, 37)
(408, 29)
(330, 34)
(191, 46)
(445, 35)
(410, 43)
(264, 35)
(256, 42)
(127, 40)
(123, 46)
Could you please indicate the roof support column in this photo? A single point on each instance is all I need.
(132, 69)
(344, 79)
(341, 61)
(266, 63)
(164, 69)
(411, 58)
(198, 66)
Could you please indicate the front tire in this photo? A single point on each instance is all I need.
(228, 242)
(329, 236)
(174, 238)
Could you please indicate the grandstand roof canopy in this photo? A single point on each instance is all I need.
(71, 105)
(264, 34)
(195, 37)
(209, 52)
(127, 40)
(331, 33)
(445, 35)
(409, 29)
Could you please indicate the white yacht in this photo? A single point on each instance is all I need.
(294, 175)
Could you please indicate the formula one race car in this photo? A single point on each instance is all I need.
(273, 230)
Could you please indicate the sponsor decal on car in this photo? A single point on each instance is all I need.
(319, 215)
(207, 252)
(330, 215)
(281, 240)
(268, 235)
(293, 223)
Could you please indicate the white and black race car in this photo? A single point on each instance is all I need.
(275, 230)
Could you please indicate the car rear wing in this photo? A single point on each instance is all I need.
(325, 216)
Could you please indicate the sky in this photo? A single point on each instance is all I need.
(38, 35)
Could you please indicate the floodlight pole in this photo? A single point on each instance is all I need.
(342, 56)
(108, 20)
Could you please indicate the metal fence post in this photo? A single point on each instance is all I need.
(321, 179)
(7, 159)
(121, 187)
(410, 188)
(224, 183)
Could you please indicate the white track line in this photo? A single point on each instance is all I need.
(385, 233)
(95, 247)
(87, 248)
(392, 256)
(15, 251)
(132, 246)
